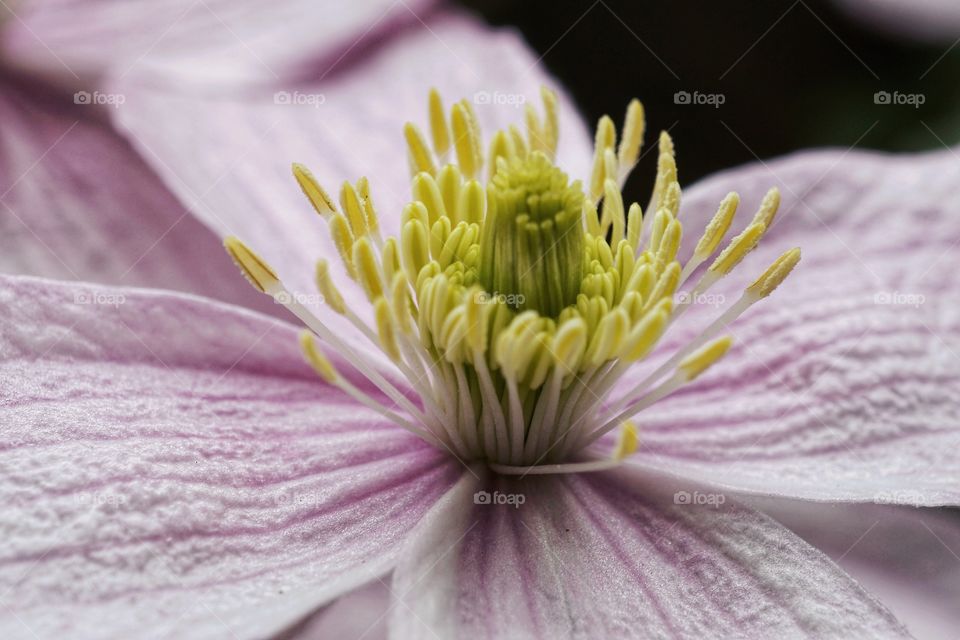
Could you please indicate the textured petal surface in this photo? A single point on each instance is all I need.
(597, 556)
(170, 469)
(77, 202)
(210, 43)
(359, 615)
(937, 20)
(238, 151)
(909, 558)
(845, 383)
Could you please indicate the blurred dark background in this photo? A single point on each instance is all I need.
(790, 74)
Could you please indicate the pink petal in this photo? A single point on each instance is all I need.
(845, 383)
(78, 203)
(211, 44)
(168, 465)
(238, 151)
(360, 615)
(909, 558)
(937, 20)
(604, 556)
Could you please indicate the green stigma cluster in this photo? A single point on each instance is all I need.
(531, 244)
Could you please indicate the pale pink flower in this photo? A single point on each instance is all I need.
(172, 468)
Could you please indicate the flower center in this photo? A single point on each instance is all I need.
(514, 309)
(531, 245)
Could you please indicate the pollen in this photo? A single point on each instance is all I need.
(514, 299)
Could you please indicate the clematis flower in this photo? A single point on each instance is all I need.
(173, 468)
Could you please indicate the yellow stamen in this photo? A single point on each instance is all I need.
(775, 273)
(350, 203)
(738, 248)
(400, 299)
(390, 258)
(449, 182)
(388, 339)
(316, 358)
(610, 334)
(698, 362)
(438, 124)
(631, 140)
(717, 227)
(604, 139)
(327, 289)
(368, 273)
(343, 240)
(466, 140)
(258, 272)
(500, 147)
(472, 202)
(426, 190)
(476, 319)
(644, 335)
(666, 169)
(627, 442)
(768, 207)
(670, 242)
(551, 123)
(569, 344)
(363, 190)
(519, 144)
(419, 154)
(535, 134)
(634, 224)
(311, 188)
(671, 198)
